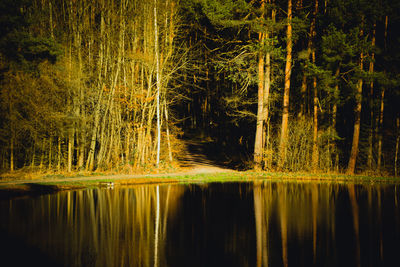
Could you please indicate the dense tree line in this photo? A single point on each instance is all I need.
(288, 85)
(84, 83)
(316, 81)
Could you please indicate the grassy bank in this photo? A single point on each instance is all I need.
(55, 183)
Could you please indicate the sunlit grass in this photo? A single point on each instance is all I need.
(56, 182)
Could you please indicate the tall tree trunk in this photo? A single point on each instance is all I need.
(258, 148)
(334, 116)
(371, 104)
(59, 154)
(70, 148)
(12, 130)
(381, 109)
(109, 119)
(70, 109)
(80, 107)
(303, 89)
(264, 83)
(303, 95)
(101, 88)
(33, 153)
(167, 132)
(380, 129)
(315, 150)
(42, 155)
(288, 71)
(90, 158)
(158, 80)
(267, 87)
(50, 151)
(357, 121)
(12, 141)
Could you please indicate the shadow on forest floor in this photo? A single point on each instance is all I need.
(208, 153)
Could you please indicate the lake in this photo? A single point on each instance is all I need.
(260, 223)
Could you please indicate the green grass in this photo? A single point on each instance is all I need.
(55, 186)
(287, 177)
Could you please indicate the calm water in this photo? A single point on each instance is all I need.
(232, 224)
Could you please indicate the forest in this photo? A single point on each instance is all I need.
(289, 85)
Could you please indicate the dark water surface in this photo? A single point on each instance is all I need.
(260, 223)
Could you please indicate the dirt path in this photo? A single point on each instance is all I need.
(197, 160)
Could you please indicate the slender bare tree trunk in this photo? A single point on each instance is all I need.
(108, 119)
(168, 135)
(42, 155)
(33, 153)
(169, 56)
(70, 149)
(59, 154)
(101, 88)
(12, 130)
(315, 150)
(12, 152)
(158, 80)
(90, 158)
(288, 71)
(71, 127)
(80, 110)
(50, 151)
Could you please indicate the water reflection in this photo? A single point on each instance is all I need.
(236, 224)
(326, 224)
(95, 227)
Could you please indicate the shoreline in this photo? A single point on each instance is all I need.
(52, 184)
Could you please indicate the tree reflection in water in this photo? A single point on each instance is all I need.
(95, 227)
(261, 223)
(326, 224)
